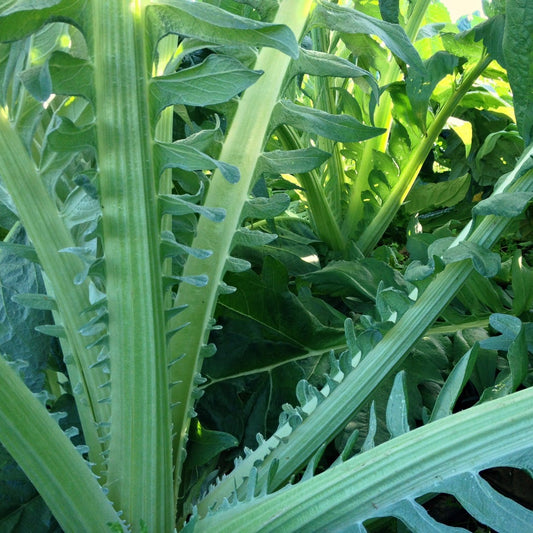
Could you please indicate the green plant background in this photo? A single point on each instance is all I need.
(216, 212)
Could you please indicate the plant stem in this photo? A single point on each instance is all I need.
(243, 145)
(407, 466)
(49, 459)
(140, 458)
(49, 234)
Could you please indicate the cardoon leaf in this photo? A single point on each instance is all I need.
(180, 155)
(485, 262)
(22, 18)
(68, 137)
(216, 25)
(71, 75)
(317, 63)
(518, 53)
(347, 20)
(291, 162)
(343, 128)
(507, 204)
(397, 407)
(174, 205)
(265, 207)
(455, 383)
(216, 80)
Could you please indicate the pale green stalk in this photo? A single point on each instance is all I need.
(407, 466)
(242, 147)
(48, 457)
(49, 235)
(140, 458)
(382, 119)
(292, 448)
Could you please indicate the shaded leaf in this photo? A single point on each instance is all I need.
(216, 25)
(343, 128)
(518, 53)
(291, 162)
(347, 20)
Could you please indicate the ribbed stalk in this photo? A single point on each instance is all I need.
(405, 467)
(330, 416)
(49, 234)
(140, 471)
(243, 145)
(49, 459)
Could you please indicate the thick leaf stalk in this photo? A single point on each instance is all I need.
(291, 447)
(140, 447)
(411, 465)
(242, 148)
(47, 456)
(49, 235)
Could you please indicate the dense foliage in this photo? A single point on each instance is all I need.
(216, 212)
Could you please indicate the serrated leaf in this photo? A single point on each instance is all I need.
(38, 82)
(291, 162)
(485, 262)
(342, 128)
(216, 25)
(214, 81)
(180, 155)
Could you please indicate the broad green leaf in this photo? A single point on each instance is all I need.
(431, 196)
(186, 157)
(390, 10)
(67, 137)
(262, 207)
(518, 53)
(507, 204)
(291, 162)
(216, 80)
(354, 278)
(341, 128)
(205, 444)
(19, 19)
(317, 63)
(19, 340)
(216, 25)
(347, 20)
(485, 262)
(71, 75)
(454, 385)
